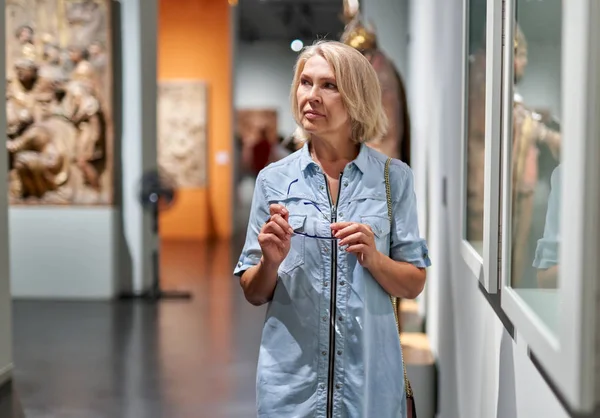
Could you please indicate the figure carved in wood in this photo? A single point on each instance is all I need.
(37, 141)
(59, 101)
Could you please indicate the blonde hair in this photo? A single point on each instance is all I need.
(357, 83)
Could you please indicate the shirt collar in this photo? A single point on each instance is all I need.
(361, 161)
(305, 158)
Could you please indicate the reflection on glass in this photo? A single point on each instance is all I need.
(476, 123)
(536, 155)
(546, 253)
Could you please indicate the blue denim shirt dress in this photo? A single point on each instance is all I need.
(329, 345)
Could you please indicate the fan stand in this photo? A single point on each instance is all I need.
(155, 293)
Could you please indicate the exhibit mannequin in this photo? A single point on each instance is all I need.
(396, 142)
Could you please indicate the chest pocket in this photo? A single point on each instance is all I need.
(380, 225)
(295, 257)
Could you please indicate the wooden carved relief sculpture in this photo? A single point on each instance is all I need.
(59, 102)
(182, 131)
(396, 142)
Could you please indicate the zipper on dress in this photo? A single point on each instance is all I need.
(332, 299)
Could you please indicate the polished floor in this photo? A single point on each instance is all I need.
(142, 360)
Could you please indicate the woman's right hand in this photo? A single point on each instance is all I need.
(275, 236)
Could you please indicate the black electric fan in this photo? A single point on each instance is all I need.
(157, 193)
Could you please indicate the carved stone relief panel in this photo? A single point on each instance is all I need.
(182, 148)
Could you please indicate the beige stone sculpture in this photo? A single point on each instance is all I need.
(182, 153)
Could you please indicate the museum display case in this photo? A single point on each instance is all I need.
(550, 192)
(531, 77)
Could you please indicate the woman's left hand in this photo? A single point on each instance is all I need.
(360, 240)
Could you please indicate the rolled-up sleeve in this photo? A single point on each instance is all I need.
(259, 213)
(406, 243)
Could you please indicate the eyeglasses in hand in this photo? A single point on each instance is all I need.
(297, 231)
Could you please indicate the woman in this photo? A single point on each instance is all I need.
(316, 251)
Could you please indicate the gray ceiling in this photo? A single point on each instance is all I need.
(286, 20)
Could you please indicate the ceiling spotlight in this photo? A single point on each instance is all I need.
(296, 45)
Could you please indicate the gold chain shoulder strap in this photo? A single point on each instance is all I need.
(388, 193)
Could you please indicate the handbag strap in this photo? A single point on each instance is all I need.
(388, 193)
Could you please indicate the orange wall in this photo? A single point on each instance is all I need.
(194, 42)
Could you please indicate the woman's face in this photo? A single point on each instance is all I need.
(319, 101)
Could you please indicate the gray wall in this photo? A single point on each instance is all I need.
(5, 302)
(72, 256)
(138, 135)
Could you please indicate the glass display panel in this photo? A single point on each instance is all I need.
(475, 122)
(535, 158)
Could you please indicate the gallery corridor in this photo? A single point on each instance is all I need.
(175, 359)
